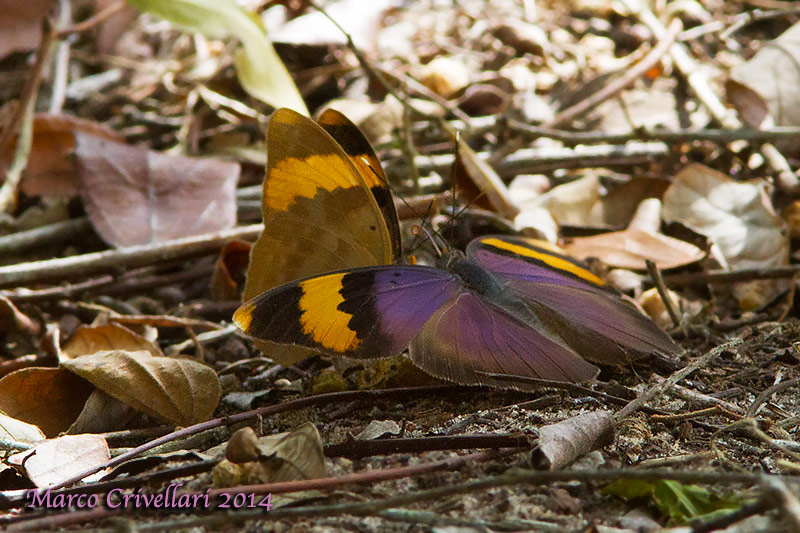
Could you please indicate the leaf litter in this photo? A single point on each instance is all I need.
(163, 139)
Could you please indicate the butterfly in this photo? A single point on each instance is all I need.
(508, 305)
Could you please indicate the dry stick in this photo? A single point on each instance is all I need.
(56, 232)
(262, 411)
(22, 122)
(539, 159)
(666, 40)
(655, 275)
(699, 83)
(613, 88)
(649, 393)
(61, 61)
(130, 256)
(731, 276)
(644, 134)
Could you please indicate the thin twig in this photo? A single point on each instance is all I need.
(651, 392)
(655, 275)
(61, 61)
(22, 122)
(127, 257)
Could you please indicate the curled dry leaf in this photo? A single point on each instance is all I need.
(562, 443)
(90, 339)
(229, 270)
(50, 398)
(640, 241)
(101, 413)
(12, 429)
(52, 461)
(242, 447)
(137, 196)
(737, 217)
(479, 184)
(179, 391)
(290, 456)
(12, 319)
(51, 170)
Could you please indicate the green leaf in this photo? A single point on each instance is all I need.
(260, 70)
(676, 501)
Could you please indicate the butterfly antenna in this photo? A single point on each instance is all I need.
(453, 174)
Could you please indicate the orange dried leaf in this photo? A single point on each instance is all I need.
(87, 340)
(50, 398)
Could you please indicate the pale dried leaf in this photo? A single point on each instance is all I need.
(51, 169)
(179, 391)
(137, 196)
(17, 430)
(378, 429)
(294, 455)
(766, 89)
(631, 247)
(55, 460)
(737, 217)
(50, 398)
(562, 443)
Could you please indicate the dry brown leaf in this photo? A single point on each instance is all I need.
(179, 391)
(738, 217)
(101, 413)
(17, 430)
(21, 24)
(290, 456)
(50, 398)
(137, 196)
(51, 168)
(229, 270)
(242, 447)
(562, 443)
(478, 183)
(88, 339)
(631, 247)
(55, 460)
